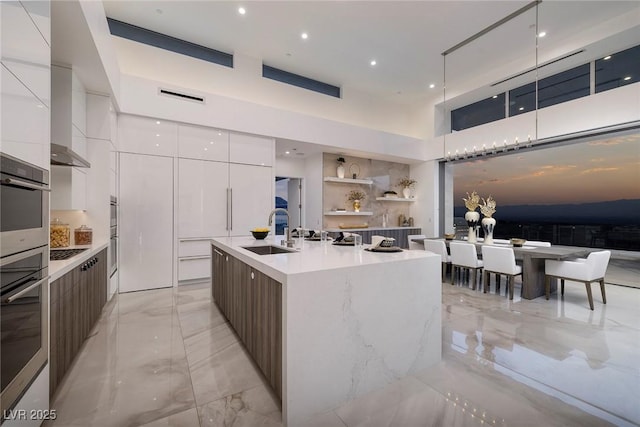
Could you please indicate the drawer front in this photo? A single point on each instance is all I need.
(194, 247)
(194, 268)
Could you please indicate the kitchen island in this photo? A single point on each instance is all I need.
(326, 324)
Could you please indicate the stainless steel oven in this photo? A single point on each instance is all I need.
(113, 246)
(24, 321)
(24, 205)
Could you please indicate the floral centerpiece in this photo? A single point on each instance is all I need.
(407, 183)
(356, 196)
(340, 169)
(472, 217)
(488, 208)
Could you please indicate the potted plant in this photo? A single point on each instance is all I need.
(406, 183)
(356, 196)
(340, 168)
(488, 208)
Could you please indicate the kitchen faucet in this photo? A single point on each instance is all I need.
(289, 242)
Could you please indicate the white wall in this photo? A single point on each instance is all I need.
(313, 191)
(290, 167)
(425, 210)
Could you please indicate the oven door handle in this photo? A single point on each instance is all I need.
(24, 291)
(23, 184)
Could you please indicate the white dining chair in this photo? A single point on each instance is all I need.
(500, 261)
(538, 244)
(586, 270)
(415, 245)
(440, 248)
(464, 255)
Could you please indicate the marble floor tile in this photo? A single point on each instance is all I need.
(168, 357)
(253, 407)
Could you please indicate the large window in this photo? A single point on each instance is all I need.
(582, 194)
(612, 71)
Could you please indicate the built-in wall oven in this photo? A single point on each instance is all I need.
(24, 280)
(113, 247)
(24, 205)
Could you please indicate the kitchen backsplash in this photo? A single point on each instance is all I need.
(74, 218)
(385, 176)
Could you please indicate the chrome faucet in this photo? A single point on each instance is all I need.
(289, 242)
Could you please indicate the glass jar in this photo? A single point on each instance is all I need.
(83, 235)
(59, 234)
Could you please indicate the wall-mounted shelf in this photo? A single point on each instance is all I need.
(348, 180)
(349, 213)
(395, 199)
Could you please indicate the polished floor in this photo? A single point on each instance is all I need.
(168, 358)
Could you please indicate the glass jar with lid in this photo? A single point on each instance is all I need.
(83, 235)
(59, 234)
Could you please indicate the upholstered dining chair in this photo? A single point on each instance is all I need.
(586, 270)
(415, 245)
(499, 261)
(464, 255)
(440, 248)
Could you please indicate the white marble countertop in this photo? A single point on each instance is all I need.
(349, 230)
(312, 256)
(57, 269)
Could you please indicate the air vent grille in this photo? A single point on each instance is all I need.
(183, 96)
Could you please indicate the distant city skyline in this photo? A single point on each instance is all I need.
(596, 171)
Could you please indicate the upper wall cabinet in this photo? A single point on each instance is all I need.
(68, 188)
(147, 136)
(196, 142)
(25, 49)
(251, 149)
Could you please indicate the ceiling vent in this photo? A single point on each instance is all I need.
(180, 95)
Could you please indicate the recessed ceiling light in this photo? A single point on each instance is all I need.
(494, 96)
(431, 86)
(304, 36)
(242, 10)
(608, 57)
(157, 134)
(373, 62)
(286, 152)
(521, 109)
(157, 122)
(219, 133)
(627, 78)
(542, 33)
(211, 142)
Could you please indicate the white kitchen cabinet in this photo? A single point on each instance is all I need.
(147, 136)
(251, 197)
(202, 198)
(145, 222)
(78, 104)
(194, 268)
(24, 122)
(251, 149)
(68, 188)
(197, 142)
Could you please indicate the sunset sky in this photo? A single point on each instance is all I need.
(585, 172)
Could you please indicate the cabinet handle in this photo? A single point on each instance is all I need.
(252, 275)
(195, 257)
(23, 184)
(231, 210)
(218, 252)
(195, 239)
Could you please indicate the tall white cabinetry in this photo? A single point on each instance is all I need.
(223, 187)
(146, 222)
(217, 195)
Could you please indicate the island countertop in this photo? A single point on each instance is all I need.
(349, 321)
(312, 256)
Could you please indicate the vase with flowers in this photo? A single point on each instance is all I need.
(488, 208)
(340, 168)
(472, 216)
(356, 196)
(407, 184)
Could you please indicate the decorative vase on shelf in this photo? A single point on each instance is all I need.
(488, 224)
(472, 218)
(340, 171)
(356, 205)
(406, 192)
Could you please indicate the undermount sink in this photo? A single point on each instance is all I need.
(268, 250)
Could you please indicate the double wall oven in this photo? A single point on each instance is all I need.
(24, 258)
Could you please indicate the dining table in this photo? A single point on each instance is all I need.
(533, 258)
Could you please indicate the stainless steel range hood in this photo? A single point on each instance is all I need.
(62, 155)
